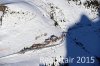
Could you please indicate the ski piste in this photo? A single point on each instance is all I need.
(29, 50)
(40, 46)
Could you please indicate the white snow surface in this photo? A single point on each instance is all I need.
(27, 19)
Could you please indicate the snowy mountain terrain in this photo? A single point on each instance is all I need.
(34, 29)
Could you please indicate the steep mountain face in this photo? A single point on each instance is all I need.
(29, 25)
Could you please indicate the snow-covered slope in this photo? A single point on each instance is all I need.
(22, 25)
(25, 23)
(64, 12)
